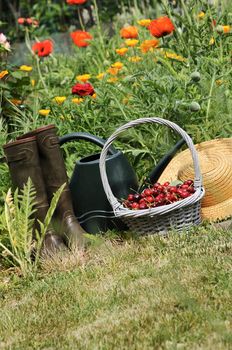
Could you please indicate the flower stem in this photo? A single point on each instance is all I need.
(99, 26)
(210, 97)
(40, 75)
(80, 18)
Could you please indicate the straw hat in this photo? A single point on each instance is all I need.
(215, 158)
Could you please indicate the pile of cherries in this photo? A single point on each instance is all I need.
(157, 195)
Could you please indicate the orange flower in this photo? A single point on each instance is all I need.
(226, 29)
(3, 73)
(161, 26)
(148, 45)
(81, 38)
(75, 2)
(16, 102)
(130, 32)
(113, 71)
(122, 51)
(117, 65)
(43, 48)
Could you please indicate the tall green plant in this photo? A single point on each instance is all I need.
(17, 221)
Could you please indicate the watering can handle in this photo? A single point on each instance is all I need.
(157, 171)
(85, 136)
(159, 168)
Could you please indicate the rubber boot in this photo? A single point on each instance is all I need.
(54, 174)
(23, 161)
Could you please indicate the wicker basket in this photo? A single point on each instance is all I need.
(179, 215)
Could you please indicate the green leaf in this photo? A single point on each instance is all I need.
(18, 74)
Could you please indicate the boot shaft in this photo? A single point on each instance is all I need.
(23, 161)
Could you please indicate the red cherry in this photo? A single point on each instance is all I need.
(130, 197)
(188, 182)
(184, 187)
(135, 205)
(142, 206)
(147, 192)
(191, 189)
(173, 189)
(142, 200)
(137, 196)
(166, 184)
(149, 199)
(170, 197)
(160, 188)
(184, 194)
(156, 185)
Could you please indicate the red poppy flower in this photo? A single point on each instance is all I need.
(43, 48)
(161, 26)
(129, 32)
(81, 38)
(75, 2)
(83, 89)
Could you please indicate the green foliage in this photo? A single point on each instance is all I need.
(17, 226)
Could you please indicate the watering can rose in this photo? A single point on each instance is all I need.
(83, 89)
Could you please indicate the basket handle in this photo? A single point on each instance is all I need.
(102, 163)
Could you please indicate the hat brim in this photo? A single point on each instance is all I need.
(174, 171)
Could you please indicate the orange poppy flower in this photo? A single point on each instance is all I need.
(161, 26)
(130, 32)
(75, 2)
(43, 48)
(148, 45)
(81, 38)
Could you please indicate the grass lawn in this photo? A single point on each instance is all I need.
(147, 293)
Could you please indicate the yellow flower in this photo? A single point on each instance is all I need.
(112, 80)
(3, 73)
(15, 101)
(59, 99)
(131, 42)
(94, 96)
(117, 65)
(226, 29)
(25, 68)
(84, 77)
(212, 41)
(149, 45)
(126, 99)
(201, 15)
(100, 76)
(219, 82)
(135, 59)
(33, 82)
(122, 51)
(77, 100)
(44, 112)
(173, 56)
(144, 22)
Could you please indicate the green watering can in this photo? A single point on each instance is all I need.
(91, 205)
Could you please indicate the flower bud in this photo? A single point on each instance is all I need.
(195, 76)
(219, 29)
(194, 106)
